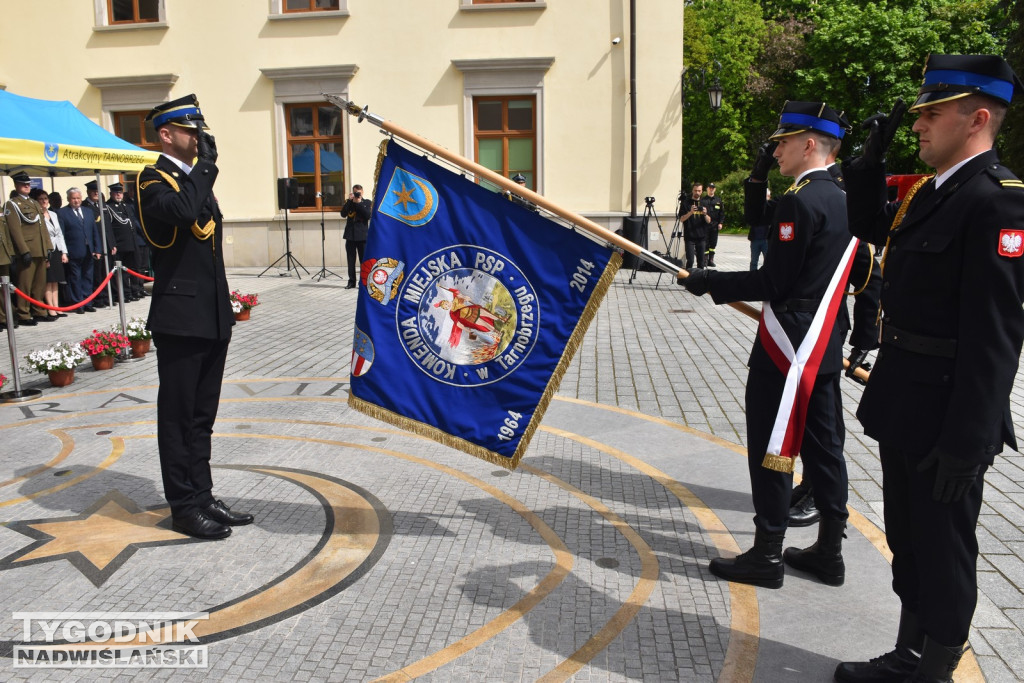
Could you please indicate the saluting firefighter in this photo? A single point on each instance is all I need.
(190, 314)
(951, 330)
(119, 218)
(32, 244)
(793, 401)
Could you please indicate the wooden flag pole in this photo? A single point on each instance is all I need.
(539, 200)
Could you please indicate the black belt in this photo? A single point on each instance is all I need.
(796, 306)
(928, 346)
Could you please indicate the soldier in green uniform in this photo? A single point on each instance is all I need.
(6, 257)
(32, 244)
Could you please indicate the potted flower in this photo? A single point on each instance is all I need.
(58, 361)
(242, 304)
(3, 380)
(103, 348)
(139, 336)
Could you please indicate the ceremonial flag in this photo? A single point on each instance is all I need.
(470, 308)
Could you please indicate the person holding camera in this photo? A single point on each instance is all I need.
(357, 212)
(693, 214)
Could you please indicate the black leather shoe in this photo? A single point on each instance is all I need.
(80, 311)
(802, 510)
(29, 323)
(89, 309)
(44, 319)
(892, 667)
(350, 286)
(219, 512)
(759, 566)
(198, 525)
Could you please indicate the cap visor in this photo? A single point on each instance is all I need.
(784, 131)
(927, 98)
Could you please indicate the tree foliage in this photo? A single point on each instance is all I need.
(857, 55)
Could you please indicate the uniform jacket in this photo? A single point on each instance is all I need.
(27, 228)
(7, 253)
(358, 215)
(100, 225)
(716, 211)
(954, 271)
(807, 237)
(190, 287)
(81, 236)
(120, 221)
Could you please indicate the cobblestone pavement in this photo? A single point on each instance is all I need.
(378, 554)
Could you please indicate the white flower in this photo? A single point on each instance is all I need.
(236, 306)
(62, 356)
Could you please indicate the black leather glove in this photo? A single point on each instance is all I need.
(857, 360)
(881, 130)
(26, 258)
(697, 283)
(206, 147)
(764, 161)
(954, 475)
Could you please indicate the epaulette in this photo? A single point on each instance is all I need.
(1005, 177)
(794, 189)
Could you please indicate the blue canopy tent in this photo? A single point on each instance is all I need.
(49, 138)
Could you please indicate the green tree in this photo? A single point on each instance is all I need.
(1012, 143)
(727, 32)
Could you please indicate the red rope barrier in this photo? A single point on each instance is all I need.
(85, 302)
(138, 275)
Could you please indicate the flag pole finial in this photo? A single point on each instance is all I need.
(353, 109)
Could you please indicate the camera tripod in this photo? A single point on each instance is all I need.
(677, 231)
(644, 222)
(323, 272)
(289, 260)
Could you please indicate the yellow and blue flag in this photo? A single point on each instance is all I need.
(470, 308)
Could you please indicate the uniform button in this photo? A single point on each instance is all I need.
(945, 379)
(885, 285)
(925, 243)
(990, 449)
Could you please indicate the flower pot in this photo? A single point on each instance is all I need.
(61, 378)
(140, 347)
(243, 314)
(101, 362)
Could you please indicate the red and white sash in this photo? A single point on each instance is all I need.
(800, 366)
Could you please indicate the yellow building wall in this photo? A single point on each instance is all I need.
(403, 50)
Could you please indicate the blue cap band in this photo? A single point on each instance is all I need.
(813, 122)
(174, 114)
(990, 85)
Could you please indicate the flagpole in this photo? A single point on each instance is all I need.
(505, 183)
(501, 181)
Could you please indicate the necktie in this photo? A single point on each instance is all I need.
(78, 212)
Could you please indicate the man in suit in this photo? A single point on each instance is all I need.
(81, 237)
(190, 315)
(32, 242)
(6, 258)
(938, 401)
(803, 325)
(357, 212)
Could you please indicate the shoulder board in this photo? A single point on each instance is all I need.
(164, 177)
(1004, 176)
(1012, 183)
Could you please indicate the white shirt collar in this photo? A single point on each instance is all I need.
(180, 164)
(941, 178)
(810, 170)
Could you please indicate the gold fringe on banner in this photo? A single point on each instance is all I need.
(571, 346)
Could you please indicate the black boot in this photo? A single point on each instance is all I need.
(938, 663)
(892, 667)
(759, 566)
(802, 510)
(824, 559)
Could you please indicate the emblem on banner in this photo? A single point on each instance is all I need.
(1010, 243)
(467, 316)
(51, 152)
(362, 354)
(409, 198)
(382, 278)
(786, 232)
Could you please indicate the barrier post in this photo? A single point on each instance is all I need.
(18, 395)
(125, 356)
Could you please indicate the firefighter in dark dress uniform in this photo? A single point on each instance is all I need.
(120, 220)
(190, 315)
(952, 328)
(104, 261)
(803, 325)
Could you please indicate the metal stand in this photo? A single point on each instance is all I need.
(19, 395)
(677, 232)
(126, 355)
(323, 272)
(644, 222)
(287, 255)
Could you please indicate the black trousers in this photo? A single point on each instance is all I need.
(712, 239)
(821, 452)
(190, 372)
(354, 252)
(934, 546)
(695, 249)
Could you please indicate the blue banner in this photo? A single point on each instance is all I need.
(470, 308)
